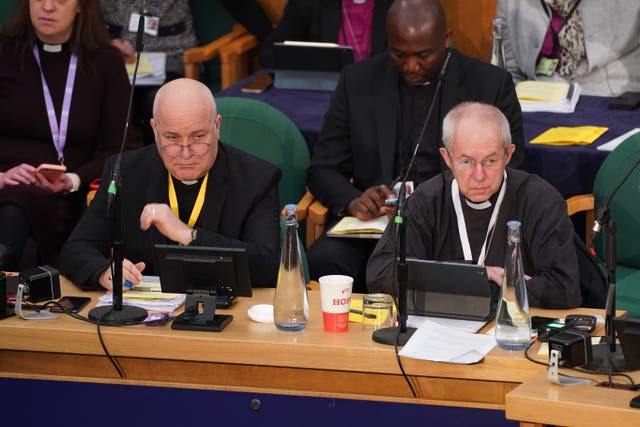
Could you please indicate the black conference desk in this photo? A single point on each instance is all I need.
(571, 170)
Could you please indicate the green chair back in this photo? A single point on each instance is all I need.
(211, 21)
(265, 132)
(262, 130)
(625, 212)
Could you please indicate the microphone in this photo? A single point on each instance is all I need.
(608, 357)
(401, 334)
(116, 314)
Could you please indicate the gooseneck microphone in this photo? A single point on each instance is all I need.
(607, 357)
(400, 335)
(117, 314)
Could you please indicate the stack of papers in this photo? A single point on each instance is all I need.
(609, 146)
(438, 343)
(561, 135)
(350, 226)
(147, 295)
(151, 70)
(553, 97)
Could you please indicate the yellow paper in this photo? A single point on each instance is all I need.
(355, 315)
(532, 90)
(580, 135)
(350, 224)
(144, 68)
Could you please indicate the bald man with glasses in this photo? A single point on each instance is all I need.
(461, 214)
(188, 189)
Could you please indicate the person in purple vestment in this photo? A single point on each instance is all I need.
(63, 92)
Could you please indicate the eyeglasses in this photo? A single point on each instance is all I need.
(489, 163)
(195, 148)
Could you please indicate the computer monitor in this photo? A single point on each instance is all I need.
(628, 332)
(202, 273)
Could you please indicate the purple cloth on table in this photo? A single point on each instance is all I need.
(305, 108)
(571, 169)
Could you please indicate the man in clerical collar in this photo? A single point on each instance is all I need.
(189, 189)
(462, 213)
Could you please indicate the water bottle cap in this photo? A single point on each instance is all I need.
(514, 224)
(498, 21)
(290, 208)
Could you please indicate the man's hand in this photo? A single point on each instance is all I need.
(131, 273)
(370, 204)
(495, 274)
(21, 174)
(162, 217)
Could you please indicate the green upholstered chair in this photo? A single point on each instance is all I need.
(624, 210)
(262, 130)
(215, 28)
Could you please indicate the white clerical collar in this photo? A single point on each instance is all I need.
(359, 1)
(52, 48)
(189, 182)
(478, 206)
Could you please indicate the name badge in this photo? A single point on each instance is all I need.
(547, 66)
(151, 24)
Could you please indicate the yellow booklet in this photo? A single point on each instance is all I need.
(560, 135)
(350, 226)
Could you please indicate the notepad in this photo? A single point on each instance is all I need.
(350, 226)
(561, 135)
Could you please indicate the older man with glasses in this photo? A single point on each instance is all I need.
(461, 214)
(188, 189)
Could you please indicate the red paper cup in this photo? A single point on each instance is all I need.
(335, 294)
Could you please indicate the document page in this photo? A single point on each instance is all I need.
(442, 344)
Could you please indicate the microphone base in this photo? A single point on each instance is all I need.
(391, 336)
(600, 360)
(107, 315)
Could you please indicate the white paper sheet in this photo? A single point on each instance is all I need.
(438, 343)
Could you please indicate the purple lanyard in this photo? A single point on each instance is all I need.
(59, 134)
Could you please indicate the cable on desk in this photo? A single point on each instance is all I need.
(404, 374)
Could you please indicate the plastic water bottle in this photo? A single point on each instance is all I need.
(291, 303)
(497, 49)
(513, 321)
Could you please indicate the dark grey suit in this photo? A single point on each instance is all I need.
(241, 210)
(358, 139)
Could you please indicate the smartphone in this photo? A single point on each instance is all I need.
(259, 84)
(626, 101)
(51, 171)
(581, 322)
(73, 304)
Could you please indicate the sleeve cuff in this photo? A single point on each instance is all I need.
(75, 182)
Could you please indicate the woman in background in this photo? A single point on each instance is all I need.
(594, 43)
(45, 47)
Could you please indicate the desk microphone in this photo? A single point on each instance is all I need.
(607, 357)
(117, 314)
(400, 335)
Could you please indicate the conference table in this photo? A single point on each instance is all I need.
(250, 358)
(570, 169)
